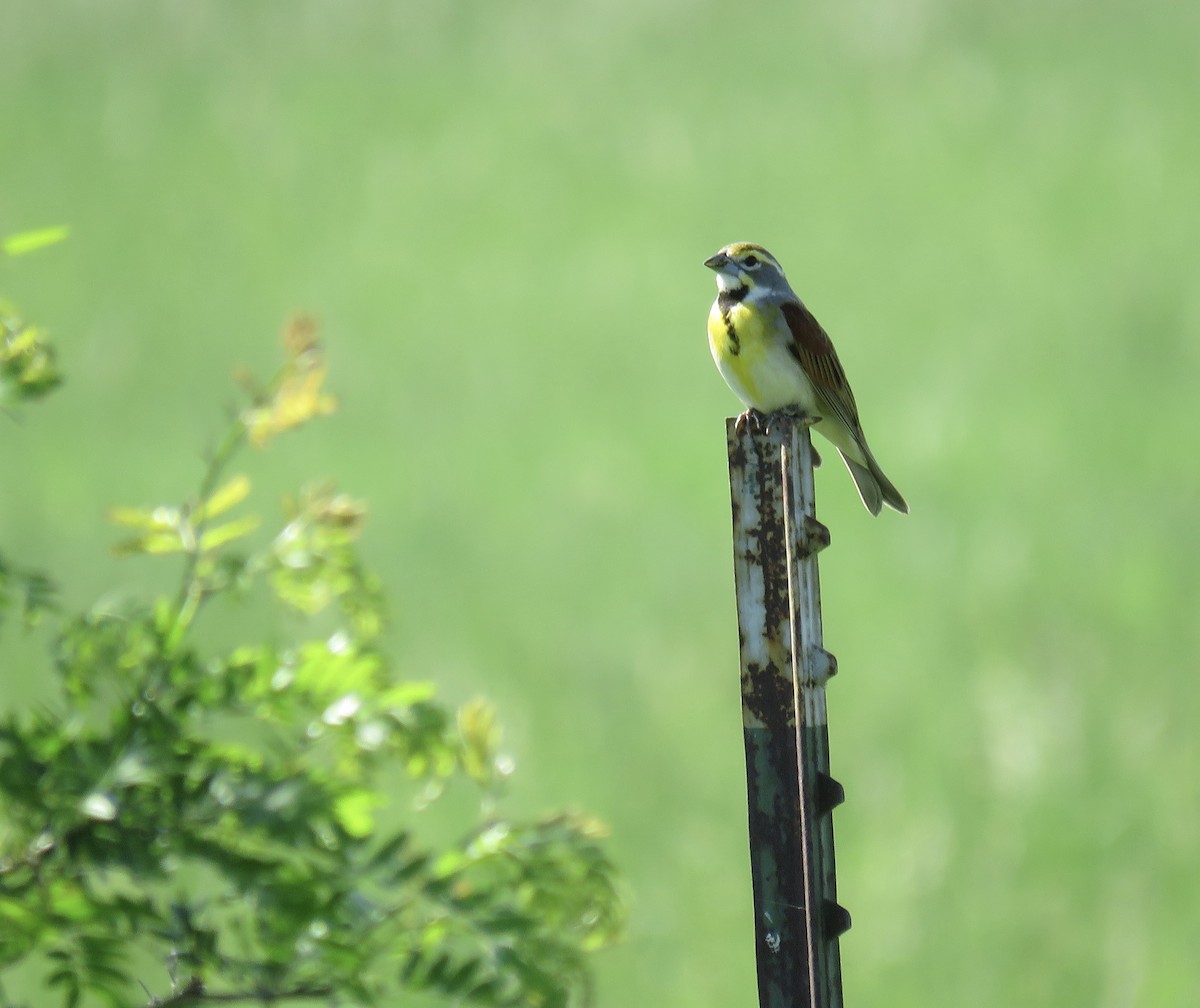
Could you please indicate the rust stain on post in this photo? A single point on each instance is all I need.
(760, 565)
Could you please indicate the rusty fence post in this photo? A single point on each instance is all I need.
(784, 668)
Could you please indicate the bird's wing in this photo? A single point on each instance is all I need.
(813, 350)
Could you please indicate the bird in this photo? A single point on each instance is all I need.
(775, 357)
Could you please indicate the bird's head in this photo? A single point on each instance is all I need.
(744, 267)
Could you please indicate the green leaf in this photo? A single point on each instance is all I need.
(31, 592)
(28, 368)
(134, 770)
(98, 805)
(408, 693)
(355, 812)
(31, 241)
(387, 855)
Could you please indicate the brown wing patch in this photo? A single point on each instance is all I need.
(813, 350)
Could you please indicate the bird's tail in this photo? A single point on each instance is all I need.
(874, 487)
(891, 496)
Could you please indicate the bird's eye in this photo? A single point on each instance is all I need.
(751, 261)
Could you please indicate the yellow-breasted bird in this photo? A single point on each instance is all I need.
(775, 356)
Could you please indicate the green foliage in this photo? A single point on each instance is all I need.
(245, 818)
(28, 369)
(31, 592)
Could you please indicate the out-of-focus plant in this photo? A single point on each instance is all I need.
(192, 825)
(27, 365)
(28, 371)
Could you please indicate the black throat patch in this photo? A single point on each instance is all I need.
(726, 299)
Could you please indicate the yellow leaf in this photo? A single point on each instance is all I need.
(30, 241)
(300, 336)
(161, 519)
(151, 542)
(228, 496)
(296, 396)
(480, 734)
(219, 536)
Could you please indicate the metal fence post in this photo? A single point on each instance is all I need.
(783, 672)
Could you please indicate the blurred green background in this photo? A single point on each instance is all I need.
(498, 212)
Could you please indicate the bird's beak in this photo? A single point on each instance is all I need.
(717, 262)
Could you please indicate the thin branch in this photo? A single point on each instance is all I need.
(189, 597)
(194, 993)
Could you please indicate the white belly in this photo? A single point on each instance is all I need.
(764, 375)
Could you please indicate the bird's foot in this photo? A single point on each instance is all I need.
(753, 421)
(758, 422)
(761, 423)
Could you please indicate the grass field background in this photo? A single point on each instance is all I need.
(499, 212)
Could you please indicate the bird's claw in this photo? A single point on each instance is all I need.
(752, 420)
(758, 422)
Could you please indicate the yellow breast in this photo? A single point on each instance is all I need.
(753, 358)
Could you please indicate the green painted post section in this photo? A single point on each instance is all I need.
(783, 673)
